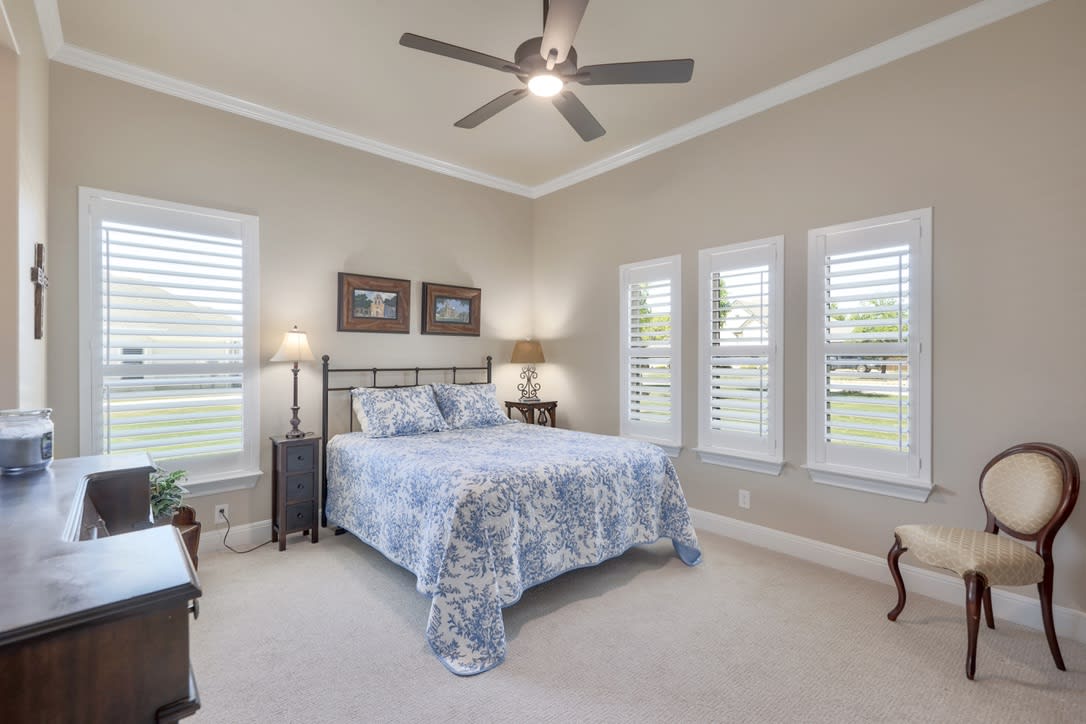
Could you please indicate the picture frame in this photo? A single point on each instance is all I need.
(448, 309)
(374, 304)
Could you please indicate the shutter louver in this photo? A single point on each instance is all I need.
(172, 342)
(650, 344)
(650, 389)
(866, 324)
(739, 364)
(649, 314)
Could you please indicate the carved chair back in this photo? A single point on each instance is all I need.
(1029, 491)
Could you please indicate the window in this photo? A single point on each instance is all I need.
(651, 343)
(869, 355)
(168, 315)
(739, 343)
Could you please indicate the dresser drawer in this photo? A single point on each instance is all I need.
(299, 517)
(300, 486)
(300, 457)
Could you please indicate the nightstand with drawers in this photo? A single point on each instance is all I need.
(295, 493)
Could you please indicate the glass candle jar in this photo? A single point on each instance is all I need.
(26, 440)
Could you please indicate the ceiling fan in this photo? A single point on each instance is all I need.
(547, 64)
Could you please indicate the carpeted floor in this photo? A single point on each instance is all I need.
(334, 633)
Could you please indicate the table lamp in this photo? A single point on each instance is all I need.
(295, 348)
(528, 353)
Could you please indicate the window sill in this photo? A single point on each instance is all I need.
(867, 481)
(213, 483)
(731, 459)
(672, 450)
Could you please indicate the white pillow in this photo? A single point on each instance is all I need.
(393, 411)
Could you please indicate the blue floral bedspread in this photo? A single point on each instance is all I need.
(479, 515)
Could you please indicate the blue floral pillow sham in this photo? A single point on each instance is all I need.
(393, 411)
(469, 405)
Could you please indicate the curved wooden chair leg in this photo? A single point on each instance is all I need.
(891, 559)
(989, 617)
(974, 593)
(1044, 588)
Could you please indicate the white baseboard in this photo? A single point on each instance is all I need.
(1009, 606)
(242, 536)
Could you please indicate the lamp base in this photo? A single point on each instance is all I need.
(294, 421)
(529, 389)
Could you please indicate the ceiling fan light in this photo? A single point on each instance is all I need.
(545, 85)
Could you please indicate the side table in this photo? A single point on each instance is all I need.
(534, 412)
(295, 496)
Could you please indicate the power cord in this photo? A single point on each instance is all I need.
(230, 547)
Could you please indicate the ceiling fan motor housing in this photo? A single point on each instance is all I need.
(532, 63)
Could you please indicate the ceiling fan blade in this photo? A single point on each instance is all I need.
(429, 45)
(583, 122)
(646, 71)
(561, 18)
(492, 108)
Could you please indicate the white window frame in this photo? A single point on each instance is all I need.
(206, 475)
(669, 436)
(901, 475)
(755, 453)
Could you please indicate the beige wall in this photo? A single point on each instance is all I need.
(323, 209)
(988, 130)
(985, 128)
(24, 161)
(9, 226)
(33, 192)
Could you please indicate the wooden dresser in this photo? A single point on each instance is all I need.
(94, 621)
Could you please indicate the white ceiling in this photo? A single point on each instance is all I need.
(338, 63)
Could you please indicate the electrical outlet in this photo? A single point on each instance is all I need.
(222, 512)
(744, 499)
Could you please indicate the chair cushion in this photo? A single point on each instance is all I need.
(1002, 561)
(1023, 491)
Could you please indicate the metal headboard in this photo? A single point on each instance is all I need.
(373, 373)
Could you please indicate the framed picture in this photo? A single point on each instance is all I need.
(374, 304)
(450, 310)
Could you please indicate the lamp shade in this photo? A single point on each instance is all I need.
(295, 348)
(527, 351)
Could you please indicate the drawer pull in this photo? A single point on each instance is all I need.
(300, 486)
(299, 516)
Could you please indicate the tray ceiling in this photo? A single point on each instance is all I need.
(338, 62)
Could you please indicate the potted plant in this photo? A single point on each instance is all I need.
(166, 494)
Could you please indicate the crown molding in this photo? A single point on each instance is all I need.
(938, 31)
(6, 30)
(104, 65)
(49, 20)
(913, 41)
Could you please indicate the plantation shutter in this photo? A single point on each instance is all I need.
(869, 355)
(866, 335)
(738, 340)
(650, 350)
(173, 364)
(172, 352)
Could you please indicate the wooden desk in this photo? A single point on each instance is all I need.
(94, 624)
(189, 528)
(534, 412)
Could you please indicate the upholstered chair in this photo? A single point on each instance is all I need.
(1028, 492)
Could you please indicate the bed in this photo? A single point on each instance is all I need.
(479, 514)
